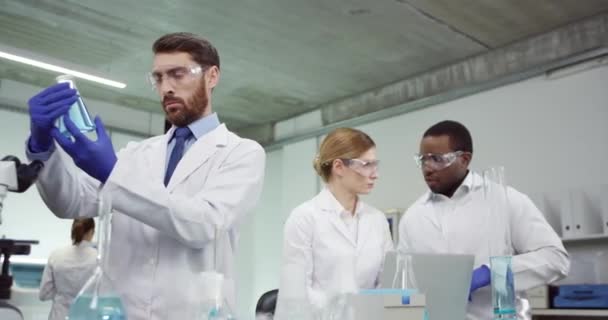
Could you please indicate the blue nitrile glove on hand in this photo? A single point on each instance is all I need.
(44, 109)
(481, 278)
(96, 158)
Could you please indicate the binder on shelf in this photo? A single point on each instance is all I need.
(542, 202)
(604, 206)
(585, 211)
(557, 205)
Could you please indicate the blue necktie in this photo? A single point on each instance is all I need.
(181, 135)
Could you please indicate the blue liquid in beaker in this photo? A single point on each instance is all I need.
(218, 313)
(80, 117)
(78, 112)
(503, 287)
(108, 308)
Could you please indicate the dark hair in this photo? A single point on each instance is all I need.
(201, 50)
(80, 227)
(460, 137)
(341, 143)
(267, 303)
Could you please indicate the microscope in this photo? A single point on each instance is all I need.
(14, 177)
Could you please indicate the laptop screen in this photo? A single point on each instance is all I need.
(443, 278)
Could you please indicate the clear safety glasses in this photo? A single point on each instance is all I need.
(437, 161)
(176, 75)
(364, 168)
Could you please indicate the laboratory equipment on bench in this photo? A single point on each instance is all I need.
(442, 279)
(14, 177)
(8, 248)
(389, 304)
(582, 296)
(342, 286)
(98, 299)
(214, 305)
(293, 300)
(498, 239)
(78, 112)
(503, 290)
(497, 204)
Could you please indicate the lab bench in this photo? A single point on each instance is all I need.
(570, 314)
(539, 300)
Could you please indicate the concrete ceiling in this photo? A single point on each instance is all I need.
(280, 58)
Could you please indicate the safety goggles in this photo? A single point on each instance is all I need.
(175, 75)
(437, 161)
(364, 168)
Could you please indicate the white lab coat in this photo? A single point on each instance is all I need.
(163, 237)
(438, 224)
(317, 239)
(65, 274)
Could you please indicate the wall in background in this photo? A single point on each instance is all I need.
(550, 134)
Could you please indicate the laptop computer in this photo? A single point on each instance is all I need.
(443, 278)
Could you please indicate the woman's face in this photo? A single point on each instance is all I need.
(359, 174)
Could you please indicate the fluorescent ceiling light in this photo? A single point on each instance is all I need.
(52, 67)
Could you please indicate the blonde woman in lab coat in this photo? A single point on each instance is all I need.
(336, 239)
(68, 269)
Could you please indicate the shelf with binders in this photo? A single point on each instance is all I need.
(603, 313)
(577, 214)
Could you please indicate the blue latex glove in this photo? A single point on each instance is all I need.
(44, 109)
(480, 279)
(96, 158)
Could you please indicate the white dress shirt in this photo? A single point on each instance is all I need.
(351, 221)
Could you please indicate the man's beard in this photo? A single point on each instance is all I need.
(193, 108)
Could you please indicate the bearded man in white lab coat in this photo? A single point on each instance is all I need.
(169, 193)
(451, 218)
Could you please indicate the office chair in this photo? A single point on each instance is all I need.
(9, 312)
(267, 303)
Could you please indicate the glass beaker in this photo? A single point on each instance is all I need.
(403, 277)
(293, 301)
(342, 285)
(97, 299)
(497, 203)
(78, 112)
(503, 289)
(213, 302)
(214, 305)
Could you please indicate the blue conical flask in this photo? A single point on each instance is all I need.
(78, 111)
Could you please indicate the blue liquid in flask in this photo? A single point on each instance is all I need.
(108, 308)
(503, 288)
(78, 112)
